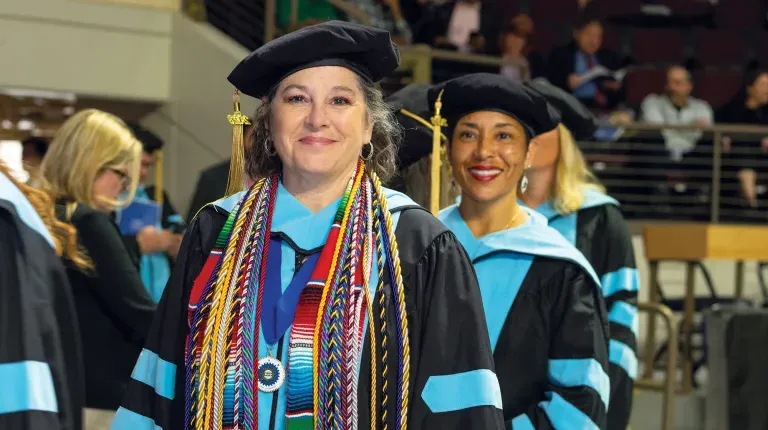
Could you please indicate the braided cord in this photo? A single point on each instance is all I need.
(324, 300)
(400, 311)
(382, 314)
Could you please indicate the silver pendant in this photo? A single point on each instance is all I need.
(271, 374)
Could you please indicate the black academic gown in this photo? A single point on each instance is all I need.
(600, 232)
(41, 377)
(547, 324)
(453, 384)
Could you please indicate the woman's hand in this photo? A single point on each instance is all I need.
(152, 240)
(574, 81)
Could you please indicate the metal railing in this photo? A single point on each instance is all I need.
(706, 183)
(668, 387)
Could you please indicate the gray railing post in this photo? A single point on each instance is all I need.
(717, 152)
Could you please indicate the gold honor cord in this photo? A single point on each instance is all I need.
(159, 177)
(437, 123)
(237, 165)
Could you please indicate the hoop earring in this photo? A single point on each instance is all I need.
(269, 153)
(524, 181)
(370, 153)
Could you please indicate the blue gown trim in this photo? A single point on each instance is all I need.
(155, 372)
(522, 422)
(534, 237)
(448, 393)
(625, 314)
(126, 419)
(622, 355)
(27, 386)
(564, 415)
(576, 372)
(624, 279)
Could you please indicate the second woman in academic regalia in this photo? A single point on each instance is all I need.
(563, 190)
(317, 298)
(545, 312)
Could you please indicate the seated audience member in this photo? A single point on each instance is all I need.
(92, 160)
(386, 15)
(34, 151)
(568, 64)
(514, 45)
(155, 247)
(677, 106)
(748, 106)
(453, 24)
(476, 43)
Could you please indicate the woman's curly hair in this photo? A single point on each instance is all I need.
(64, 235)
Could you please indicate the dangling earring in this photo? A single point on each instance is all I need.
(370, 152)
(524, 181)
(267, 147)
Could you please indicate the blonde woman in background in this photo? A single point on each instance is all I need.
(92, 159)
(562, 188)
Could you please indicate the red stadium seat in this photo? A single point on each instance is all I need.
(544, 38)
(553, 11)
(716, 87)
(740, 14)
(612, 8)
(613, 38)
(658, 46)
(721, 48)
(641, 82)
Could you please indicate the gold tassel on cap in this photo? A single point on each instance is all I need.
(434, 180)
(159, 177)
(237, 165)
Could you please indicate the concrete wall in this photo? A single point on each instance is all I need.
(193, 122)
(103, 50)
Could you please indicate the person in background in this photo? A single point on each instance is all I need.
(677, 106)
(155, 246)
(561, 187)
(212, 182)
(476, 43)
(40, 357)
(386, 15)
(34, 151)
(211, 186)
(514, 45)
(92, 160)
(542, 300)
(568, 64)
(741, 153)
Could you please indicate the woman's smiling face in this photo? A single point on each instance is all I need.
(488, 154)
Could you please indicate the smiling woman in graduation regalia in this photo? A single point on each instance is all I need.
(562, 189)
(545, 313)
(317, 298)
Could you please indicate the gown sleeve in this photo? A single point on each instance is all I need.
(120, 288)
(578, 389)
(155, 395)
(455, 384)
(616, 267)
(40, 363)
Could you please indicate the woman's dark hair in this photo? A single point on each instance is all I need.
(39, 145)
(385, 138)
